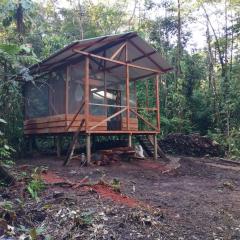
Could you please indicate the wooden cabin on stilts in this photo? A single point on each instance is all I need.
(96, 87)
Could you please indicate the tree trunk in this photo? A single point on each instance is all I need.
(179, 45)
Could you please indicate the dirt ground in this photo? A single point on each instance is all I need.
(193, 198)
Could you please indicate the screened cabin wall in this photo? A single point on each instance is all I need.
(52, 101)
(45, 97)
(110, 82)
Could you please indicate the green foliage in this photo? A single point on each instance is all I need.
(36, 185)
(5, 149)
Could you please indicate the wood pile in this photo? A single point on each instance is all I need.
(111, 156)
(191, 145)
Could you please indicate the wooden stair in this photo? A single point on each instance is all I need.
(147, 142)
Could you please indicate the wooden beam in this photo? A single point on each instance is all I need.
(132, 61)
(143, 56)
(116, 61)
(75, 116)
(100, 65)
(150, 58)
(108, 118)
(144, 120)
(108, 44)
(100, 132)
(118, 51)
(157, 101)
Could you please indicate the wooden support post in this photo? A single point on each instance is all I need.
(127, 89)
(147, 105)
(66, 92)
(30, 146)
(58, 146)
(155, 147)
(157, 102)
(135, 95)
(130, 140)
(86, 92)
(88, 148)
(105, 84)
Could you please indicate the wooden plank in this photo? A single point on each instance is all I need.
(58, 117)
(91, 117)
(131, 120)
(91, 123)
(45, 125)
(59, 130)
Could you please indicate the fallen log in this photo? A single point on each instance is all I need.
(108, 156)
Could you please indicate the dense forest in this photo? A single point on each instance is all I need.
(199, 38)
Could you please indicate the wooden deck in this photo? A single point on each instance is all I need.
(59, 124)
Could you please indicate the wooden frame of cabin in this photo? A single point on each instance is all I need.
(82, 121)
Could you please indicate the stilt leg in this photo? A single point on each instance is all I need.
(155, 147)
(30, 146)
(58, 146)
(88, 146)
(73, 144)
(130, 140)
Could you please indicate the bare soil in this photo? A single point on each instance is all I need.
(194, 198)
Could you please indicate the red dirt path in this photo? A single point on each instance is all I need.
(51, 177)
(106, 192)
(102, 189)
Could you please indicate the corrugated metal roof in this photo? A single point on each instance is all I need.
(139, 53)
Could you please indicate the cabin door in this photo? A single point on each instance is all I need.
(114, 99)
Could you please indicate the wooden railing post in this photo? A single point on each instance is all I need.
(127, 97)
(66, 92)
(157, 102)
(86, 92)
(127, 88)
